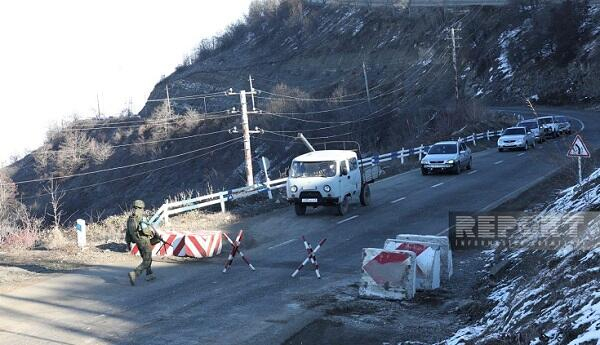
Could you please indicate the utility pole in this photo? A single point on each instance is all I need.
(454, 59)
(366, 84)
(168, 100)
(98, 104)
(252, 92)
(246, 131)
(531, 106)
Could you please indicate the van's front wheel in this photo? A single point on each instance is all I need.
(343, 206)
(300, 209)
(365, 195)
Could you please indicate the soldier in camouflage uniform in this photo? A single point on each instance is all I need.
(140, 232)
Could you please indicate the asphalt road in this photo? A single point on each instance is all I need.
(194, 303)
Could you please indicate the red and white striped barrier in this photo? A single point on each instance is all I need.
(445, 251)
(427, 261)
(204, 244)
(311, 256)
(388, 274)
(235, 248)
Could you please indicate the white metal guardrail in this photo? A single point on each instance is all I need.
(172, 208)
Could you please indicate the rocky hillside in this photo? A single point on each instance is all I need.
(554, 300)
(307, 64)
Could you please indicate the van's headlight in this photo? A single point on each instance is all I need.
(450, 161)
(293, 189)
(327, 188)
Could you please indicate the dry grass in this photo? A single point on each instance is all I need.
(111, 229)
(201, 221)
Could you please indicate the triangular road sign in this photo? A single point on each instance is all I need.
(578, 148)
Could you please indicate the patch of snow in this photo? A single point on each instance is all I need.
(358, 28)
(554, 297)
(504, 41)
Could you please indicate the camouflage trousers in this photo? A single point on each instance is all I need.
(146, 252)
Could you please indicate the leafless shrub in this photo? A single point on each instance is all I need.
(294, 103)
(43, 157)
(338, 93)
(18, 228)
(262, 8)
(8, 191)
(56, 196)
(72, 152)
(99, 152)
(21, 238)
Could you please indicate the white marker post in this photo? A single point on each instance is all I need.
(579, 149)
(80, 227)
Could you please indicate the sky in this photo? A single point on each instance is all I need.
(59, 57)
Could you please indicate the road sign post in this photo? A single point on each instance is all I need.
(579, 150)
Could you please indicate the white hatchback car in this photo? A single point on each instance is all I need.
(450, 156)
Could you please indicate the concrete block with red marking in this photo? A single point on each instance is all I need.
(203, 244)
(427, 261)
(388, 274)
(447, 267)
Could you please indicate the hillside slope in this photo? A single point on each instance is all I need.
(307, 63)
(548, 296)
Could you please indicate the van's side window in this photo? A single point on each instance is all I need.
(353, 164)
(343, 165)
(463, 147)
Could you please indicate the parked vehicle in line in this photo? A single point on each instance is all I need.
(327, 178)
(534, 127)
(564, 125)
(549, 126)
(516, 138)
(445, 156)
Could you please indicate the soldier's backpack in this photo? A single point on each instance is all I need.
(132, 228)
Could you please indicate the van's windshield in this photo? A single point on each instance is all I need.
(313, 169)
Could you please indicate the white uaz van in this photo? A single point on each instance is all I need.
(326, 178)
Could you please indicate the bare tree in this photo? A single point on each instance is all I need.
(56, 196)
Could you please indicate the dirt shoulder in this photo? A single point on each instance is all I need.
(19, 268)
(431, 317)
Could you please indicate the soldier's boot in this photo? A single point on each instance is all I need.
(132, 277)
(150, 277)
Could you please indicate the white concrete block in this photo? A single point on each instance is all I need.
(427, 261)
(445, 254)
(388, 274)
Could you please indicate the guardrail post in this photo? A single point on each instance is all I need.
(166, 212)
(474, 141)
(488, 134)
(266, 165)
(402, 156)
(420, 152)
(222, 199)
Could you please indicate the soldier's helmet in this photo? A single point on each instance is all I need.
(139, 204)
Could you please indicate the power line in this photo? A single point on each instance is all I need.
(123, 166)
(160, 122)
(148, 142)
(137, 174)
(190, 97)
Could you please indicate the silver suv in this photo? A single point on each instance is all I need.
(564, 125)
(445, 156)
(533, 126)
(549, 125)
